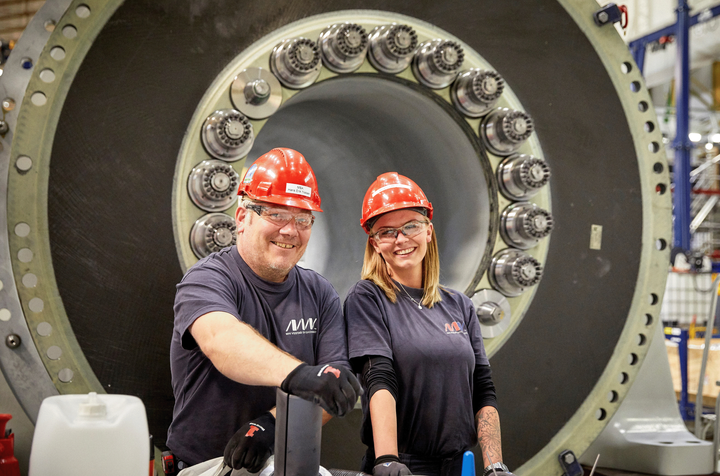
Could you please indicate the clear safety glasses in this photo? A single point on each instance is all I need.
(409, 229)
(280, 217)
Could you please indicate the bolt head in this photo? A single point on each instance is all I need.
(403, 39)
(261, 88)
(220, 181)
(353, 38)
(223, 237)
(603, 17)
(13, 341)
(489, 85)
(569, 458)
(519, 126)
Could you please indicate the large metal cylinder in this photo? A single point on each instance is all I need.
(96, 217)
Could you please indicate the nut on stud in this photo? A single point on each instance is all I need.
(211, 233)
(227, 135)
(437, 62)
(524, 224)
(512, 271)
(391, 47)
(504, 130)
(296, 62)
(343, 47)
(213, 185)
(521, 176)
(475, 92)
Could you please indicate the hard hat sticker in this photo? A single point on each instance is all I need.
(393, 185)
(250, 173)
(298, 189)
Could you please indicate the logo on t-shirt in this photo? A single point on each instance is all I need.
(301, 326)
(455, 328)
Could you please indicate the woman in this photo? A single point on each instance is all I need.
(429, 395)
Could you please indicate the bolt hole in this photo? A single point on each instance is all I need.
(649, 126)
(635, 86)
(660, 244)
(648, 319)
(612, 396)
(49, 25)
(653, 299)
(633, 359)
(38, 98)
(82, 11)
(658, 167)
(600, 414)
(626, 67)
(69, 32)
(57, 53)
(653, 147)
(660, 188)
(47, 75)
(643, 106)
(641, 339)
(26, 63)
(623, 378)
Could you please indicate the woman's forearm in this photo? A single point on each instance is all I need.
(488, 431)
(384, 423)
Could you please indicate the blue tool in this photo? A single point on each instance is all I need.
(468, 466)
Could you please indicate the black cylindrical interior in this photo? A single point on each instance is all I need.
(354, 128)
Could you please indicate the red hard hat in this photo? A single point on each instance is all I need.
(284, 177)
(389, 192)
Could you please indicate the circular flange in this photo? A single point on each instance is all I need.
(256, 92)
(642, 218)
(493, 311)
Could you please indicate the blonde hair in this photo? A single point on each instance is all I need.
(375, 269)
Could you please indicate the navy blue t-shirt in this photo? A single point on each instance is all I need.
(301, 315)
(434, 353)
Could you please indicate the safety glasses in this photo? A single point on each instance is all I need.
(281, 217)
(409, 229)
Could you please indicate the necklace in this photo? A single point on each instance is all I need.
(411, 298)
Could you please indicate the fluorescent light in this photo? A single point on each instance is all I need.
(694, 137)
(715, 138)
(709, 146)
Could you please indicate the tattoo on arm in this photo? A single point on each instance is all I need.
(488, 431)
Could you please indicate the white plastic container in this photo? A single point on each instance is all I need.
(84, 435)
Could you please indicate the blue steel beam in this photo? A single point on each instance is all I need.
(681, 143)
(638, 46)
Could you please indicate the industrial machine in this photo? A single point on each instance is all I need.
(128, 126)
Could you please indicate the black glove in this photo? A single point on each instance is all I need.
(336, 390)
(252, 444)
(389, 465)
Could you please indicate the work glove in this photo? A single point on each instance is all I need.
(389, 465)
(334, 389)
(251, 446)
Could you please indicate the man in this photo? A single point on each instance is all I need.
(247, 320)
